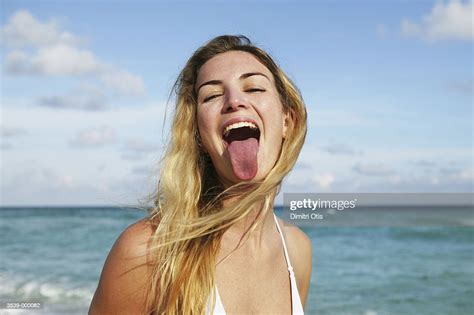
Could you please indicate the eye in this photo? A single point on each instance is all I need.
(255, 90)
(210, 97)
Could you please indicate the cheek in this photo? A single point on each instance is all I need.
(206, 124)
(204, 120)
(274, 135)
(272, 116)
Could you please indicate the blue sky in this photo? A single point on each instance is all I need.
(388, 87)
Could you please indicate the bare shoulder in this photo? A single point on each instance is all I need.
(122, 284)
(299, 245)
(300, 250)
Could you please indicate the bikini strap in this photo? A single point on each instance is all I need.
(287, 257)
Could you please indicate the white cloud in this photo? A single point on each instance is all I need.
(138, 149)
(85, 97)
(53, 186)
(18, 61)
(423, 163)
(6, 146)
(123, 82)
(45, 145)
(324, 180)
(141, 170)
(147, 118)
(373, 169)
(339, 148)
(58, 59)
(95, 137)
(73, 101)
(141, 146)
(465, 174)
(43, 49)
(452, 20)
(23, 30)
(8, 132)
(63, 59)
(304, 177)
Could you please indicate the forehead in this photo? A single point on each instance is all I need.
(230, 65)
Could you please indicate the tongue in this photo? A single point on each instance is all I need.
(243, 156)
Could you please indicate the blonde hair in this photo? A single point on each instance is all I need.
(189, 215)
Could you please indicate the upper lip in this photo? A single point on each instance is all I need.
(237, 120)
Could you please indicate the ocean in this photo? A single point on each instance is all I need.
(409, 260)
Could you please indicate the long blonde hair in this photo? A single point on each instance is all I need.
(188, 210)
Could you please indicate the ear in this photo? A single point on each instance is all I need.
(285, 121)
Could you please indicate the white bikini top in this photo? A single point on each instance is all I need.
(296, 305)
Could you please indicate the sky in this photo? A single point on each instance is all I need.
(388, 87)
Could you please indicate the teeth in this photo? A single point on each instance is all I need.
(239, 125)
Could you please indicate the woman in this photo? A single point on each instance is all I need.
(212, 244)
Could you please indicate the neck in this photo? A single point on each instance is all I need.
(256, 238)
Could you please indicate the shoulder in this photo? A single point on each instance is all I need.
(300, 250)
(299, 246)
(122, 284)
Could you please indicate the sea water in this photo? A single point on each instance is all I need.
(407, 261)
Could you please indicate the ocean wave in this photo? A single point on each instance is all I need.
(43, 290)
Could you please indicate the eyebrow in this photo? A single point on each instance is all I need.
(243, 76)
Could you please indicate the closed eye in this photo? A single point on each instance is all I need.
(255, 90)
(207, 99)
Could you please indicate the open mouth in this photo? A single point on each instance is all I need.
(240, 131)
(241, 141)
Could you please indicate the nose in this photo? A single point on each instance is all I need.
(235, 100)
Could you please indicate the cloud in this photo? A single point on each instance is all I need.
(9, 132)
(84, 97)
(372, 169)
(138, 145)
(5, 146)
(58, 59)
(17, 61)
(123, 82)
(101, 167)
(64, 60)
(115, 180)
(303, 177)
(452, 20)
(50, 186)
(423, 163)
(94, 137)
(140, 170)
(456, 174)
(466, 87)
(298, 182)
(23, 30)
(87, 102)
(135, 149)
(336, 148)
(44, 49)
(38, 119)
(455, 181)
(302, 166)
(324, 180)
